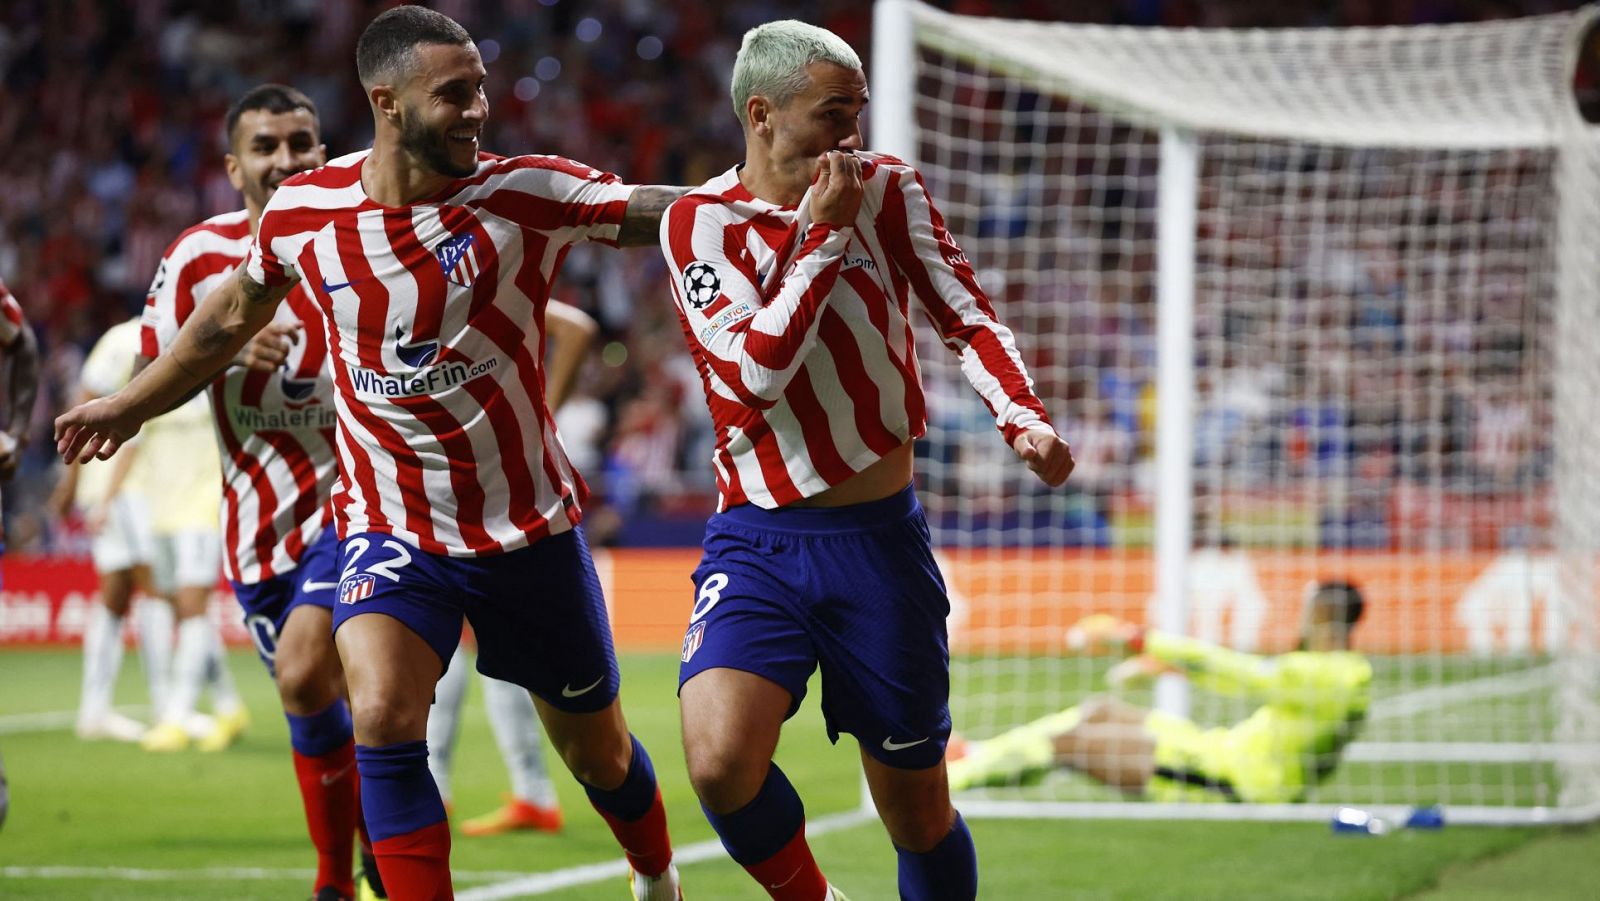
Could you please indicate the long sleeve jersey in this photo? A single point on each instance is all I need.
(802, 331)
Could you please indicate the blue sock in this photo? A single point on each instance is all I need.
(321, 732)
(398, 794)
(637, 793)
(760, 829)
(949, 872)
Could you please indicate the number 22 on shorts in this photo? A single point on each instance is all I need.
(356, 585)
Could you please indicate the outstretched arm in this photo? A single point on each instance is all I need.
(1328, 685)
(265, 351)
(1217, 668)
(1333, 684)
(641, 224)
(219, 327)
(1210, 666)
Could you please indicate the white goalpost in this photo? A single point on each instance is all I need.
(1309, 304)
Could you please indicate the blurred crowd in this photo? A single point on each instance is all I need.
(111, 144)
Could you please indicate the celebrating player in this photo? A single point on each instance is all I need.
(532, 803)
(275, 431)
(794, 275)
(431, 264)
(1313, 702)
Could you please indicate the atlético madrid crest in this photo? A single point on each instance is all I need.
(458, 257)
(692, 640)
(357, 588)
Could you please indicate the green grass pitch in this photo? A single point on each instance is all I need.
(108, 821)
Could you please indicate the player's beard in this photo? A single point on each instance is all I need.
(431, 147)
(257, 195)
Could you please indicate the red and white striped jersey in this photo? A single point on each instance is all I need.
(802, 331)
(434, 316)
(275, 430)
(10, 317)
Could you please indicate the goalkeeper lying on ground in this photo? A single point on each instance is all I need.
(1313, 701)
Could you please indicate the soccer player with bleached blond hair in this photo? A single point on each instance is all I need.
(797, 274)
(430, 264)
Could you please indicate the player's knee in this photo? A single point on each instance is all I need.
(918, 824)
(381, 718)
(116, 592)
(723, 778)
(304, 684)
(596, 748)
(601, 766)
(191, 601)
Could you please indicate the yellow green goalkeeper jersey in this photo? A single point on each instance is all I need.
(1313, 703)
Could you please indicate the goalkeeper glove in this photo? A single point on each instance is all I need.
(1103, 633)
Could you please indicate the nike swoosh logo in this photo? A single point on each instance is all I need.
(331, 778)
(787, 881)
(329, 289)
(889, 744)
(568, 692)
(309, 586)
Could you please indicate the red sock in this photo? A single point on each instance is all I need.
(328, 792)
(645, 840)
(415, 866)
(792, 873)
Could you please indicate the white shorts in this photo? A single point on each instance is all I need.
(189, 559)
(125, 542)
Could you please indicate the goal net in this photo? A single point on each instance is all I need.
(1310, 304)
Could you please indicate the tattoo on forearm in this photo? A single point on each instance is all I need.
(210, 337)
(254, 291)
(641, 225)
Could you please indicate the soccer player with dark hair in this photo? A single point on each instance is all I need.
(1313, 702)
(273, 409)
(430, 264)
(797, 274)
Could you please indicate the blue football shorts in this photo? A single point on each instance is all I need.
(537, 611)
(851, 590)
(267, 603)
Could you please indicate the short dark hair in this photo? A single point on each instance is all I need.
(1343, 598)
(274, 98)
(387, 45)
